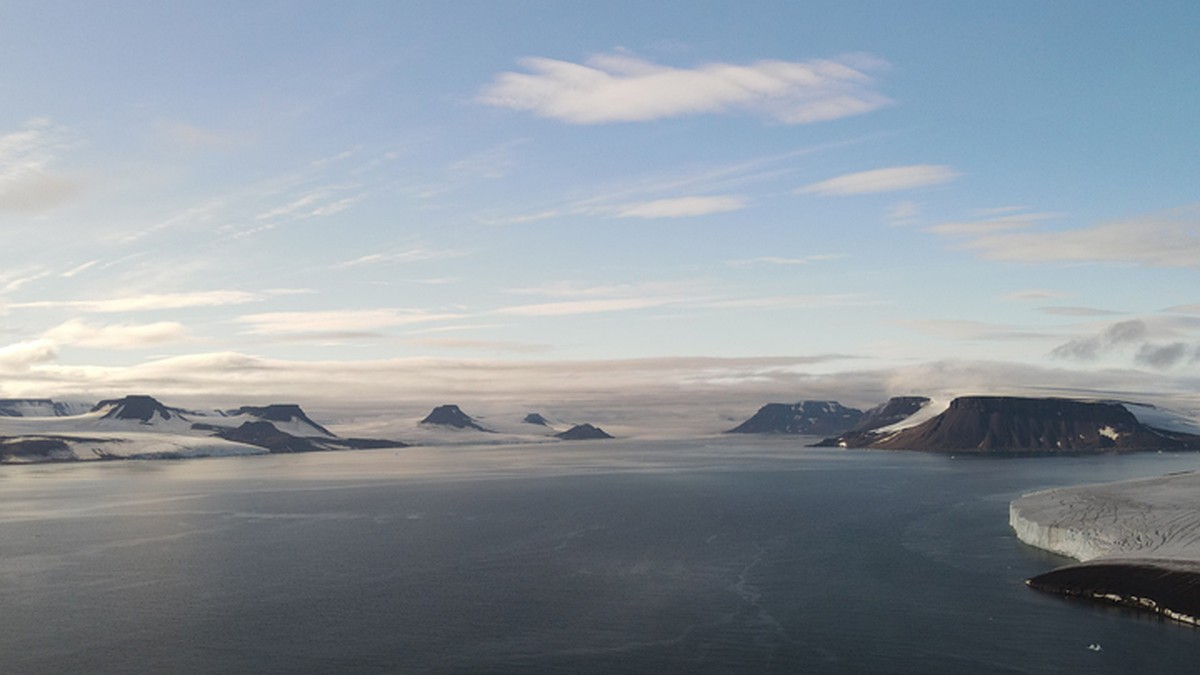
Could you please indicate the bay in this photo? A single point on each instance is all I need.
(709, 555)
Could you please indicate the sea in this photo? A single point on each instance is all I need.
(715, 555)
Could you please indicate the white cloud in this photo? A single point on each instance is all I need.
(883, 180)
(587, 306)
(785, 261)
(409, 255)
(623, 88)
(22, 355)
(150, 302)
(339, 321)
(681, 207)
(28, 181)
(1001, 223)
(1168, 239)
(1076, 311)
(115, 336)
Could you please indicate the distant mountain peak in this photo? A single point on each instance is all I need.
(137, 407)
(451, 415)
(279, 412)
(817, 418)
(536, 418)
(582, 432)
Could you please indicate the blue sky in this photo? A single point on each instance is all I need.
(419, 198)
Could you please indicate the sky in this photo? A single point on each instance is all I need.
(376, 201)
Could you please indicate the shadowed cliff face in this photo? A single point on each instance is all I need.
(806, 417)
(1000, 423)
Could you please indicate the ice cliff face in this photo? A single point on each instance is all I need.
(1156, 517)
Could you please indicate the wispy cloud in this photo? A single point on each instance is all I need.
(785, 261)
(620, 87)
(350, 320)
(481, 345)
(1167, 239)
(29, 181)
(1117, 335)
(191, 136)
(149, 302)
(115, 336)
(883, 180)
(22, 355)
(1006, 222)
(1077, 311)
(587, 306)
(408, 255)
(681, 207)
(1033, 295)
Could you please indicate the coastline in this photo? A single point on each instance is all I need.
(1138, 542)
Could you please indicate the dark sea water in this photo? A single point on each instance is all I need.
(711, 556)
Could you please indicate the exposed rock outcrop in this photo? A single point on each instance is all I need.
(816, 418)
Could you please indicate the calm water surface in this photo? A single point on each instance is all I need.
(707, 556)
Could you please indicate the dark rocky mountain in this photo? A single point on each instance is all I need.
(894, 410)
(279, 412)
(535, 418)
(583, 432)
(1016, 424)
(265, 435)
(815, 418)
(40, 407)
(451, 416)
(137, 407)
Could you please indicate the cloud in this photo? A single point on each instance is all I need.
(481, 345)
(339, 321)
(28, 181)
(1006, 222)
(22, 355)
(115, 336)
(785, 261)
(1164, 356)
(623, 88)
(587, 306)
(681, 207)
(150, 302)
(883, 180)
(1076, 311)
(1117, 335)
(1034, 295)
(409, 255)
(188, 135)
(1166, 239)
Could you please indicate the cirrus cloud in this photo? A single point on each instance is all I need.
(681, 207)
(891, 179)
(620, 87)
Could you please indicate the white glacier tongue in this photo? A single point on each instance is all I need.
(1154, 517)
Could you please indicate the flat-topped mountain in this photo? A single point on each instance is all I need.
(137, 407)
(1017, 424)
(451, 415)
(140, 426)
(536, 418)
(583, 432)
(288, 413)
(39, 407)
(815, 418)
